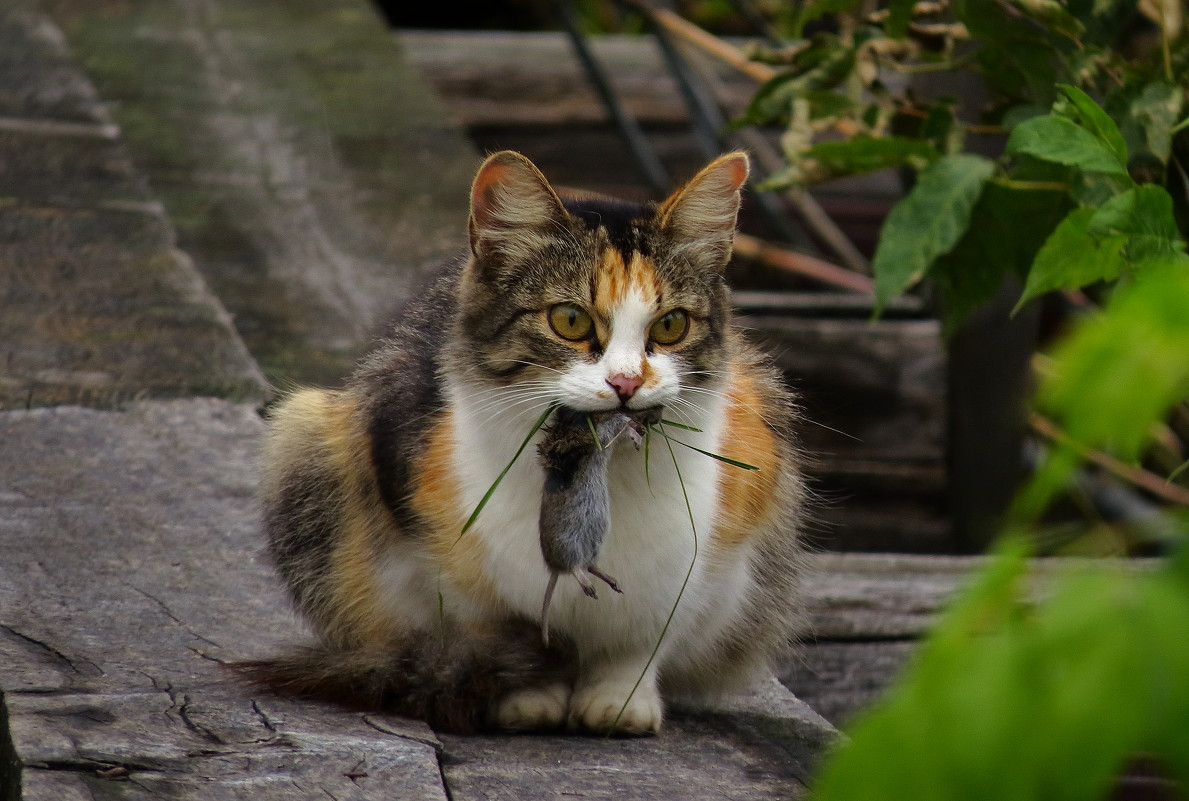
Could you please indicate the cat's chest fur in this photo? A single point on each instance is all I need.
(664, 503)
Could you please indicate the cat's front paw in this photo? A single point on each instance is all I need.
(533, 709)
(600, 708)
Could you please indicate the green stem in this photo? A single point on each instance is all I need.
(729, 461)
(491, 490)
(1050, 186)
(680, 593)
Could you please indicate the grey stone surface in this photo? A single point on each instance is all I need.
(759, 746)
(130, 569)
(311, 174)
(98, 305)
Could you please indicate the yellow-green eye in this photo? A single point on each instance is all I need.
(670, 329)
(570, 321)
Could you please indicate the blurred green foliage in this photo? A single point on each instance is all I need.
(1015, 701)
(1070, 176)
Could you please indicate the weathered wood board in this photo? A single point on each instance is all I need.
(310, 174)
(98, 305)
(497, 79)
(130, 568)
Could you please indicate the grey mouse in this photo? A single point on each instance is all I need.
(576, 506)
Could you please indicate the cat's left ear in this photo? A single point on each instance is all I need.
(701, 215)
(513, 208)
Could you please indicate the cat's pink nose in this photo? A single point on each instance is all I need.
(625, 386)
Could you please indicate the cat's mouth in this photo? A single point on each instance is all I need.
(644, 418)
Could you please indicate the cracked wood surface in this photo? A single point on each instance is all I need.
(131, 568)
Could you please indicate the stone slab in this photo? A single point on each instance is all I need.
(130, 569)
(41, 82)
(760, 746)
(99, 307)
(311, 174)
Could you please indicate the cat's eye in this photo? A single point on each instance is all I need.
(670, 329)
(570, 321)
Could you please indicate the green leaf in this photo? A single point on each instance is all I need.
(1157, 110)
(1145, 216)
(682, 426)
(1052, 15)
(824, 64)
(594, 432)
(1020, 61)
(810, 10)
(1074, 257)
(826, 105)
(1065, 692)
(1078, 107)
(1063, 141)
(1119, 372)
(733, 462)
(899, 16)
(863, 153)
(1010, 223)
(928, 222)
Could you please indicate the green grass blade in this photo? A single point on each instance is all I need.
(682, 426)
(594, 432)
(491, 490)
(647, 442)
(680, 593)
(729, 461)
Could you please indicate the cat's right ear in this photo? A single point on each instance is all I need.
(513, 209)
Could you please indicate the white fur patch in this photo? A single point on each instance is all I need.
(649, 549)
(585, 386)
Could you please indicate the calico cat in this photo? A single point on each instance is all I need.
(593, 305)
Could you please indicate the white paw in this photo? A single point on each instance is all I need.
(600, 708)
(534, 709)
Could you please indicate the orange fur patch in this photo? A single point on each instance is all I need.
(355, 614)
(616, 279)
(746, 497)
(611, 284)
(436, 497)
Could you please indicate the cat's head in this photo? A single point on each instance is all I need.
(597, 304)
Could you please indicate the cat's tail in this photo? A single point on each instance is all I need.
(450, 682)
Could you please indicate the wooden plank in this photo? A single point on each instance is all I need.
(98, 306)
(534, 79)
(310, 173)
(874, 425)
(842, 679)
(868, 611)
(130, 567)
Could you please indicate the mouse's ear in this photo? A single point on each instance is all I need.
(511, 205)
(701, 215)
